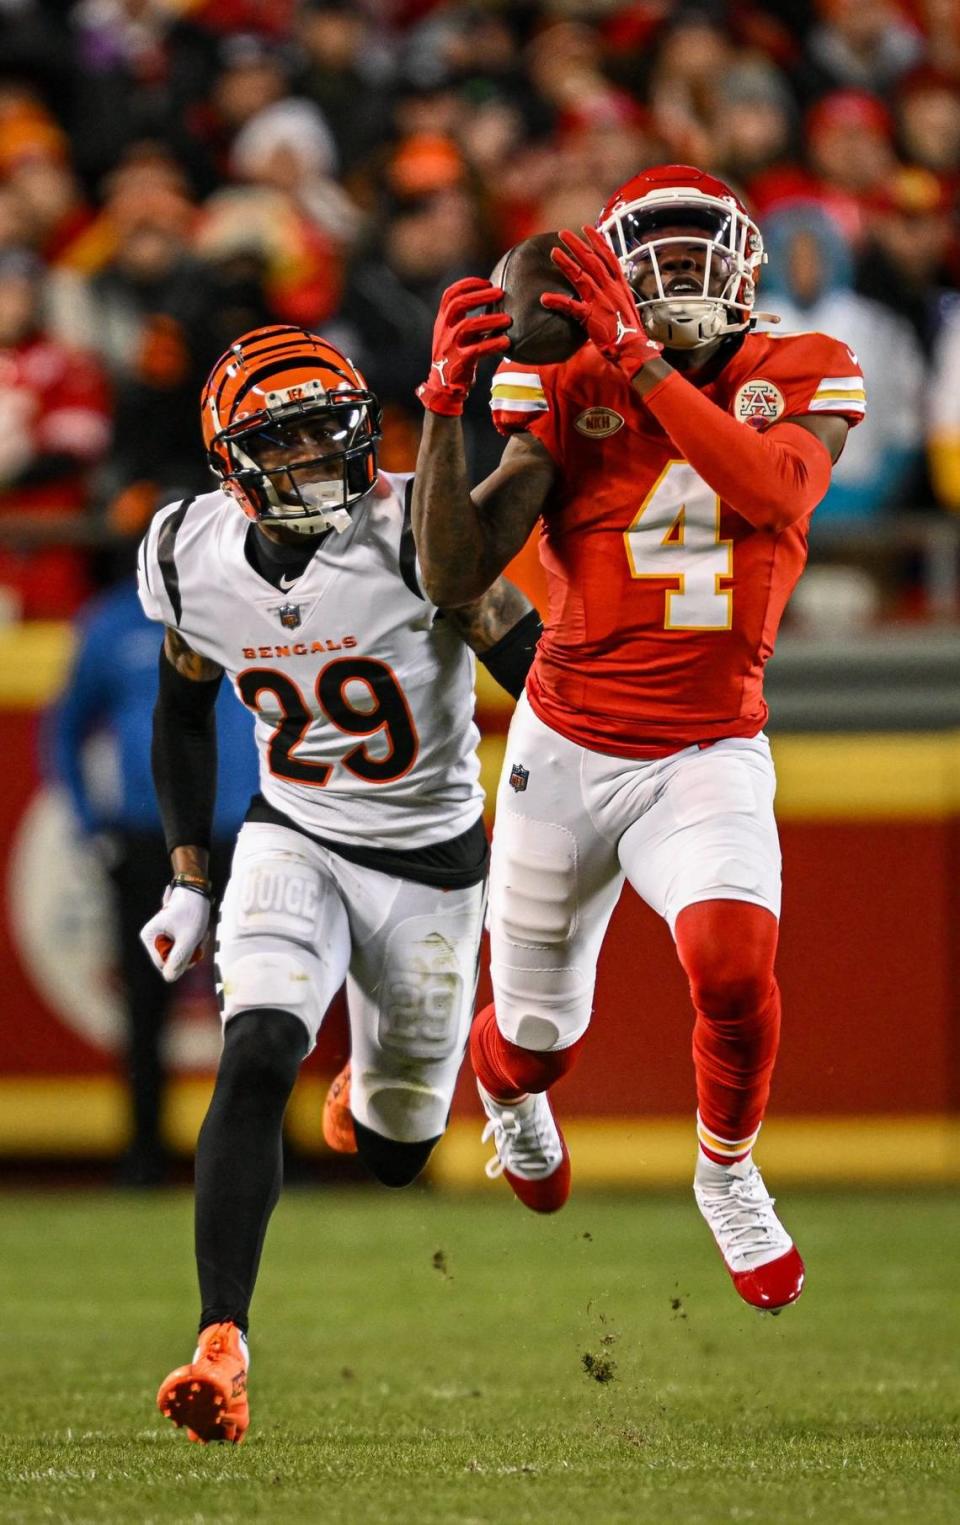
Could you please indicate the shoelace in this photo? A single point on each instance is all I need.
(531, 1155)
(759, 1229)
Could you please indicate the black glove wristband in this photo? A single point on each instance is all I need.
(512, 657)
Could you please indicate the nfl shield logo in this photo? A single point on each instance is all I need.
(518, 778)
(289, 616)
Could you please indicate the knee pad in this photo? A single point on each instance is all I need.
(542, 1008)
(402, 1109)
(393, 1163)
(534, 884)
(494, 1059)
(275, 979)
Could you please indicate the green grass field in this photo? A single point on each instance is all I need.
(419, 1359)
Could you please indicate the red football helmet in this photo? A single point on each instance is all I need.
(291, 429)
(691, 286)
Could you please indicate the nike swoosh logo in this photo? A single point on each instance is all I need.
(285, 585)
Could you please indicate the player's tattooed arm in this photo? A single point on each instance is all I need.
(465, 539)
(503, 628)
(486, 621)
(188, 663)
(184, 752)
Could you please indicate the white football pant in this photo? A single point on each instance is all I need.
(297, 920)
(697, 825)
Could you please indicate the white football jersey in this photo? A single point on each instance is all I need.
(363, 696)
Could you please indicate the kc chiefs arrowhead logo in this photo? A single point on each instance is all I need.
(758, 403)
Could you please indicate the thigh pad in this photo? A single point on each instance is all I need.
(428, 973)
(534, 882)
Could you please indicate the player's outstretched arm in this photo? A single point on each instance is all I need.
(184, 761)
(503, 628)
(464, 541)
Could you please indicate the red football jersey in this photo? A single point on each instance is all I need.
(664, 603)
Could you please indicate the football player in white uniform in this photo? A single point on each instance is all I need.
(363, 858)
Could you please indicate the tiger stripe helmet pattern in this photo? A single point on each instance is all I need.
(269, 381)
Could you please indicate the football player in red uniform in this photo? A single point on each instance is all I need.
(673, 462)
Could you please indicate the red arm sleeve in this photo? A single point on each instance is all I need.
(771, 479)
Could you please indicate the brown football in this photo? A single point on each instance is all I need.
(537, 337)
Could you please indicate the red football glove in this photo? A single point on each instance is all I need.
(459, 341)
(606, 308)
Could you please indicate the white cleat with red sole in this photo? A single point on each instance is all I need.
(531, 1153)
(763, 1261)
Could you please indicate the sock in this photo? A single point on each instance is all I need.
(711, 1172)
(727, 949)
(391, 1161)
(239, 1165)
(509, 1072)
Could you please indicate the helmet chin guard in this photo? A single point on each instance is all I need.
(691, 252)
(322, 508)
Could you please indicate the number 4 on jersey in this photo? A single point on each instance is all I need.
(676, 536)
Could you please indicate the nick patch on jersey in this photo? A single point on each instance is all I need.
(758, 403)
(598, 423)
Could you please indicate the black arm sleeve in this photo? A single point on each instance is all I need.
(512, 657)
(184, 756)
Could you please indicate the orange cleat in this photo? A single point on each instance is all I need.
(338, 1130)
(208, 1398)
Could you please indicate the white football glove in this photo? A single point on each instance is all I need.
(174, 937)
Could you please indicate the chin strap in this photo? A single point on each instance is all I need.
(315, 524)
(664, 319)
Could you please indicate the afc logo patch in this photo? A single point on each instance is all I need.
(598, 423)
(289, 616)
(519, 777)
(758, 403)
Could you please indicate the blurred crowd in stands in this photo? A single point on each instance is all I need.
(173, 172)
